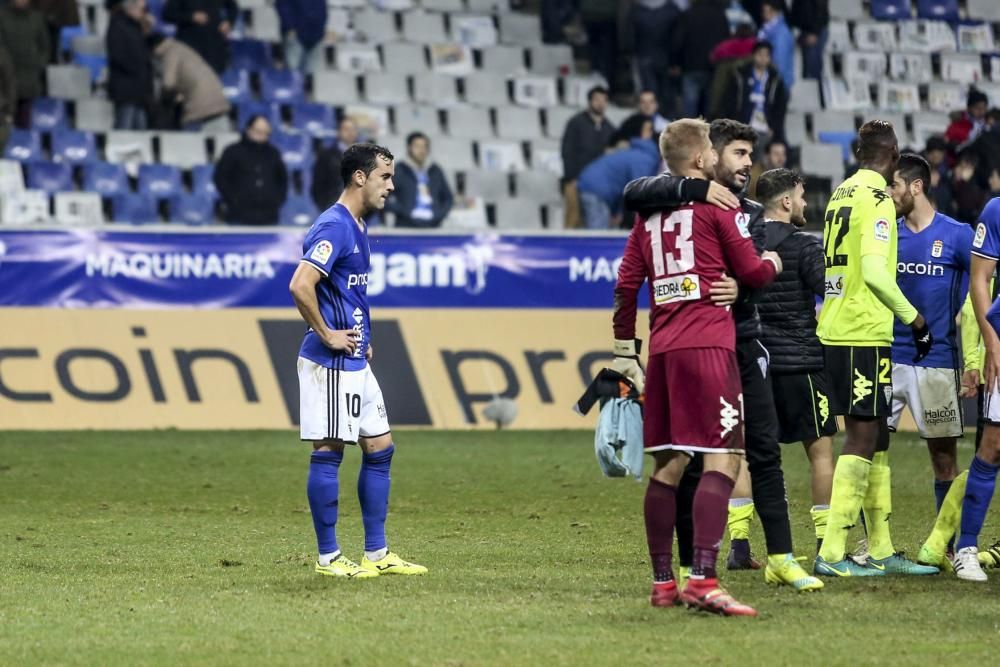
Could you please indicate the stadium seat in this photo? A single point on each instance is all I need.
(50, 177)
(246, 110)
(67, 34)
(183, 149)
(78, 208)
(47, 114)
(795, 128)
(540, 186)
(386, 88)
(493, 186)
(469, 122)
(404, 58)
(833, 121)
(128, 146)
(518, 213)
(134, 208)
(281, 85)
(94, 63)
(424, 27)
(295, 148)
(11, 177)
(201, 181)
(73, 146)
(68, 81)
(416, 118)
(847, 9)
(94, 115)
(454, 153)
(249, 54)
(842, 139)
(805, 96)
(486, 89)
(264, 23)
(23, 146)
(375, 26)
(887, 10)
(435, 89)
(518, 123)
(236, 86)
(357, 58)
(315, 119)
(938, 10)
(159, 181)
(299, 211)
(191, 209)
(521, 29)
(337, 88)
(26, 207)
(443, 5)
(551, 59)
(488, 6)
(824, 160)
(988, 10)
(556, 119)
(506, 60)
(106, 179)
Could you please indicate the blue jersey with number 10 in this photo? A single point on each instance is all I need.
(987, 244)
(932, 270)
(337, 247)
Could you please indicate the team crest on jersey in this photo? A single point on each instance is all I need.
(887, 390)
(980, 235)
(937, 248)
(743, 224)
(881, 229)
(321, 253)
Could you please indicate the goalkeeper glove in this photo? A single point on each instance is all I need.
(922, 340)
(627, 362)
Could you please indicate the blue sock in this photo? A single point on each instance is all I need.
(323, 488)
(978, 494)
(941, 487)
(373, 493)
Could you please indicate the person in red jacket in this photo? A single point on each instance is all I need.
(972, 121)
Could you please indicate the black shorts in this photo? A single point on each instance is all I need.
(803, 404)
(860, 380)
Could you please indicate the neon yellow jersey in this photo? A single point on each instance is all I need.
(859, 221)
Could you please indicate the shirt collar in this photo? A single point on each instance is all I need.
(871, 178)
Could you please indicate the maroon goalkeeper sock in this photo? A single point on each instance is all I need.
(711, 508)
(660, 508)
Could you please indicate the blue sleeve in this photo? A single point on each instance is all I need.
(963, 248)
(326, 247)
(986, 242)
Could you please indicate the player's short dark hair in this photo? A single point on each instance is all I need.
(364, 158)
(413, 136)
(763, 44)
(774, 183)
(725, 131)
(913, 167)
(876, 141)
(595, 91)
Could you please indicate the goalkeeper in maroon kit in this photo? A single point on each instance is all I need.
(693, 392)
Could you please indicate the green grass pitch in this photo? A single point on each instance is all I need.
(192, 548)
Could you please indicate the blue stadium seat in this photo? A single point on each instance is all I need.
(47, 114)
(192, 209)
(73, 146)
(134, 208)
(160, 181)
(281, 85)
(236, 86)
(249, 54)
(315, 119)
(23, 146)
(295, 148)
(67, 34)
(106, 179)
(50, 177)
(269, 110)
(94, 62)
(890, 10)
(298, 211)
(201, 181)
(844, 139)
(938, 10)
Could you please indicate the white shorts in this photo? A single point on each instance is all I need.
(339, 405)
(991, 407)
(932, 396)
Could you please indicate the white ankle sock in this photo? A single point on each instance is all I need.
(326, 559)
(375, 556)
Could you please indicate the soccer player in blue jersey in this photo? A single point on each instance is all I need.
(340, 399)
(933, 262)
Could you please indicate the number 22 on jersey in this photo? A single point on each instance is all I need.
(673, 257)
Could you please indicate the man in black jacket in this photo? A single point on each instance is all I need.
(204, 25)
(251, 177)
(788, 322)
(130, 65)
(422, 197)
(734, 142)
(758, 96)
(812, 18)
(586, 136)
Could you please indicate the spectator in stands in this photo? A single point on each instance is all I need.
(204, 25)
(758, 96)
(24, 33)
(8, 96)
(327, 183)
(58, 14)
(940, 190)
(727, 57)
(775, 157)
(602, 182)
(776, 31)
(967, 127)
(987, 145)
(651, 20)
(130, 65)
(696, 33)
(812, 18)
(303, 25)
(631, 128)
(970, 191)
(560, 22)
(994, 183)
(584, 139)
(422, 197)
(187, 79)
(251, 178)
(600, 18)
(737, 47)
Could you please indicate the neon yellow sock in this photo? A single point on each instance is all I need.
(878, 507)
(850, 483)
(739, 519)
(820, 515)
(949, 517)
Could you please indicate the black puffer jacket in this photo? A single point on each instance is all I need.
(788, 306)
(647, 195)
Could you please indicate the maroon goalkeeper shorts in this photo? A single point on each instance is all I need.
(694, 401)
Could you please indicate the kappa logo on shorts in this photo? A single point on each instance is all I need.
(862, 387)
(823, 403)
(729, 416)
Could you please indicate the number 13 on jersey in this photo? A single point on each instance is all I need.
(673, 258)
